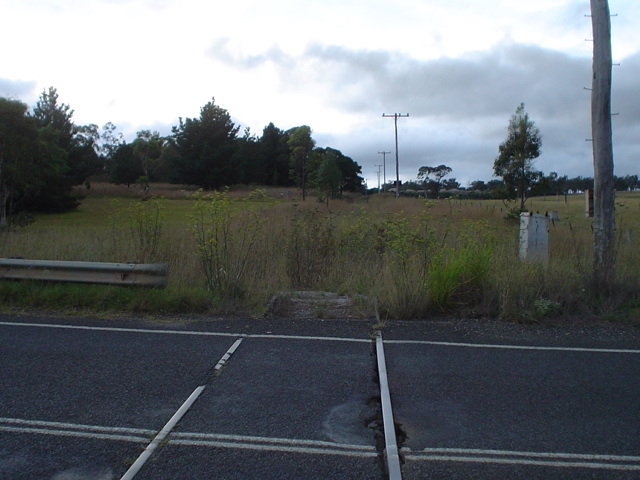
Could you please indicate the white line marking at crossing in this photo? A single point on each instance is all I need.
(75, 426)
(183, 332)
(212, 440)
(284, 441)
(80, 434)
(278, 448)
(510, 347)
(522, 461)
(514, 453)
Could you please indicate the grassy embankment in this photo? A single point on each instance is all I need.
(415, 258)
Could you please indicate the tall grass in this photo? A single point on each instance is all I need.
(416, 258)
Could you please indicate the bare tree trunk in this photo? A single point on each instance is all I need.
(604, 193)
(3, 194)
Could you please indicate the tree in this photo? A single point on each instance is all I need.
(301, 145)
(603, 193)
(22, 172)
(147, 147)
(110, 142)
(478, 185)
(124, 167)
(48, 113)
(431, 177)
(69, 150)
(514, 163)
(206, 148)
(328, 177)
(275, 156)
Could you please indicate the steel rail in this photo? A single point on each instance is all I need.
(127, 274)
(392, 457)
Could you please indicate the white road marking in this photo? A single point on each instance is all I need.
(334, 339)
(515, 453)
(211, 440)
(511, 347)
(522, 461)
(183, 332)
(337, 450)
(274, 440)
(75, 426)
(544, 459)
(75, 433)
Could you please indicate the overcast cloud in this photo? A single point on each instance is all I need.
(458, 67)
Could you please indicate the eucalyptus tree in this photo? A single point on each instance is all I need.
(514, 163)
(301, 145)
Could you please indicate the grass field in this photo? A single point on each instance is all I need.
(416, 258)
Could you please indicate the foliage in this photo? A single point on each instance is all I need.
(514, 163)
(124, 166)
(434, 184)
(415, 260)
(22, 163)
(310, 247)
(224, 241)
(328, 178)
(205, 148)
(458, 274)
(142, 224)
(301, 145)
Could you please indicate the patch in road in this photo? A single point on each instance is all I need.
(299, 389)
(562, 408)
(282, 408)
(100, 377)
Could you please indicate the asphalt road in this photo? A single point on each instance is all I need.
(297, 399)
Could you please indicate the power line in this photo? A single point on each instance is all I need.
(384, 166)
(395, 117)
(379, 176)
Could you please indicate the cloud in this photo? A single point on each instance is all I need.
(17, 88)
(459, 107)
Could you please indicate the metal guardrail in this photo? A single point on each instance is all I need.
(132, 274)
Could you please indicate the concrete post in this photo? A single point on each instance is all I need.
(534, 237)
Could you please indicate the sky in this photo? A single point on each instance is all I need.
(458, 68)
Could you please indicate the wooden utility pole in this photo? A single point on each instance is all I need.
(395, 117)
(384, 167)
(604, 192)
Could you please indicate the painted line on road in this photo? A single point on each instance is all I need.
(211, 440)
(334, 339)
(74, 433)
(74, 426)
(183, 332)
(338, 449)
(214, 437)
(427, 457)
(510, 347)
(166, 430)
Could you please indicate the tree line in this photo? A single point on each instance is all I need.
(44, 155)
(518, 179)
(209, 152)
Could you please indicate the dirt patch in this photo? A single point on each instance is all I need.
(325, 305)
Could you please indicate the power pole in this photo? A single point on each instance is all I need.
(384, 166)
(395, 117)
(378, 177)
(604, 191)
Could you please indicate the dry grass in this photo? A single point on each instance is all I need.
(417, 258)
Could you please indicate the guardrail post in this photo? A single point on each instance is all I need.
(131, 274)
